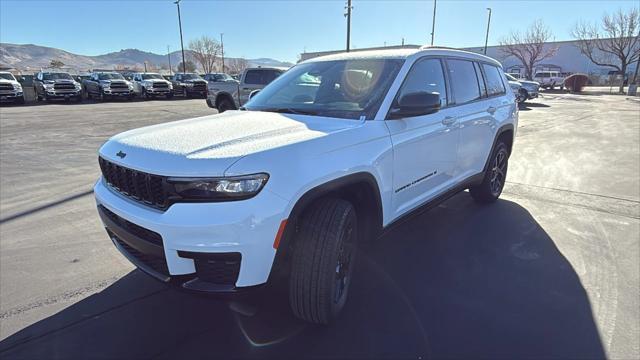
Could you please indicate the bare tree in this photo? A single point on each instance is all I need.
(56, 64)
(616, 44)
(529, 47)
(205, 51)
(189, 67)
(236, 65)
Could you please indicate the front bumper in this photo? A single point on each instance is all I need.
(159, 91)
(118, 93)
(62, 94)
(11, 95)
(194, 237)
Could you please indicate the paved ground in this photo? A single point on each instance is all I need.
(552, 270)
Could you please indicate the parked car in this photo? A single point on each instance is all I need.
(10, 88)
(230, 95)
(549, 79)
(219, 77)
(150, 85)
(105, 85)
(517, 89)
(189, 85)
(53, 85)
(515, 75)
(529, 89)
(324, 158)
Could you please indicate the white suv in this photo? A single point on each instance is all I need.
(332, 152)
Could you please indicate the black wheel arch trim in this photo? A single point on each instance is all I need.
(316, 193)
(503, 129)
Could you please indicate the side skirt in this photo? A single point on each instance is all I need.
(430, 204)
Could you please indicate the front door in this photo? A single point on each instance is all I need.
(424, 147)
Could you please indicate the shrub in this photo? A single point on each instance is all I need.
(576, 82)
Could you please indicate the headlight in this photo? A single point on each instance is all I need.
(170, 86)
(220, 189)
(78, 86)
(17, 87)
(189, 84)
(130, 86)
(48, 86)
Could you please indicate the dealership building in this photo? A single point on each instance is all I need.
(567, 59)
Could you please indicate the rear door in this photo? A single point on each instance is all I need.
(475, 114)
(424, 147)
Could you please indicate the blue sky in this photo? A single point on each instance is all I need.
(278, 29)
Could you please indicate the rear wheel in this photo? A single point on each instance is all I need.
(494, 178)
(323, 258)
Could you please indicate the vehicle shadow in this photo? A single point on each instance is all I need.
(527, 106)
(460, 281)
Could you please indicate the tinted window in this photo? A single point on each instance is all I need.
(261, 77)
(481, 80)
(493, 75)
(463, 81)
(426, 75)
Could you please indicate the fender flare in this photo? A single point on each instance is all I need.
(504, 128)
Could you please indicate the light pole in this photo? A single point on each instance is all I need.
(184, 65)
(169, 58)
(222, 49)
(433, 22)
(348, 15)
(486, 39)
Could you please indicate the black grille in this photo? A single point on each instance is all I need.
(199, 86)
(119, 85)
(145, 188)
(220, 268)
(160, 85)
(6, 87)
(157, 263)
(64, 86)
(137, 230)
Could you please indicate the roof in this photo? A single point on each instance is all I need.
(403, 54)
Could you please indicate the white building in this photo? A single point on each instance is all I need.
(568, 59)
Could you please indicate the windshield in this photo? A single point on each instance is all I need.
(7, 76)
(152, 76)
(345, 89)
(511, 78)
(56, 76)
(110, 76)
(190, 77)
(221, 77)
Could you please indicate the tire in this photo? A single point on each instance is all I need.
(79, 98)
(494, 178)
(323, 259)
(145, 94)
(169, 96)
(101, 96)
(20, 100)
(224, 104)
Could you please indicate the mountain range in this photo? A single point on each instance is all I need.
(34, 57)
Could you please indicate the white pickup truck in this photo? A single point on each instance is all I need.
(327, 156)
(230, 94)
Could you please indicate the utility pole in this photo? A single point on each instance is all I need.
(348, 15)
(169, 57)
(184, 65)
(433, 22)
(222, 47)
(486, 39)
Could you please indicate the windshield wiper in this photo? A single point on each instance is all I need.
(288, 110)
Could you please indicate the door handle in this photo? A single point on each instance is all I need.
(448, 120)
(491, 110)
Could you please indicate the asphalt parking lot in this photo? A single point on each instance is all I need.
(552, 270)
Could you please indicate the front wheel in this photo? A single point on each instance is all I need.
(495, 176)
(224, 104)
(323, 258)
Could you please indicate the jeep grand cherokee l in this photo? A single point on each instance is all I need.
(328, 155)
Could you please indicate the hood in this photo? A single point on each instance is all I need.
(7, 81)
(60, 81)
(529, 83)
(209, 145)
(196, 81)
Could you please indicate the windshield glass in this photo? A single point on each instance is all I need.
(220, 77)
(110, 76)
(190, 76)
(152, 76)
(7, 77)
(56, 76)
(345, 89)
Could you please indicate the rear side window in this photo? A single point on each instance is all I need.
(464, 81)
(261, 77)
(426, 75)
(493, 77)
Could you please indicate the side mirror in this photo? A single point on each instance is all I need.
(253, 93)
(415, 104)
